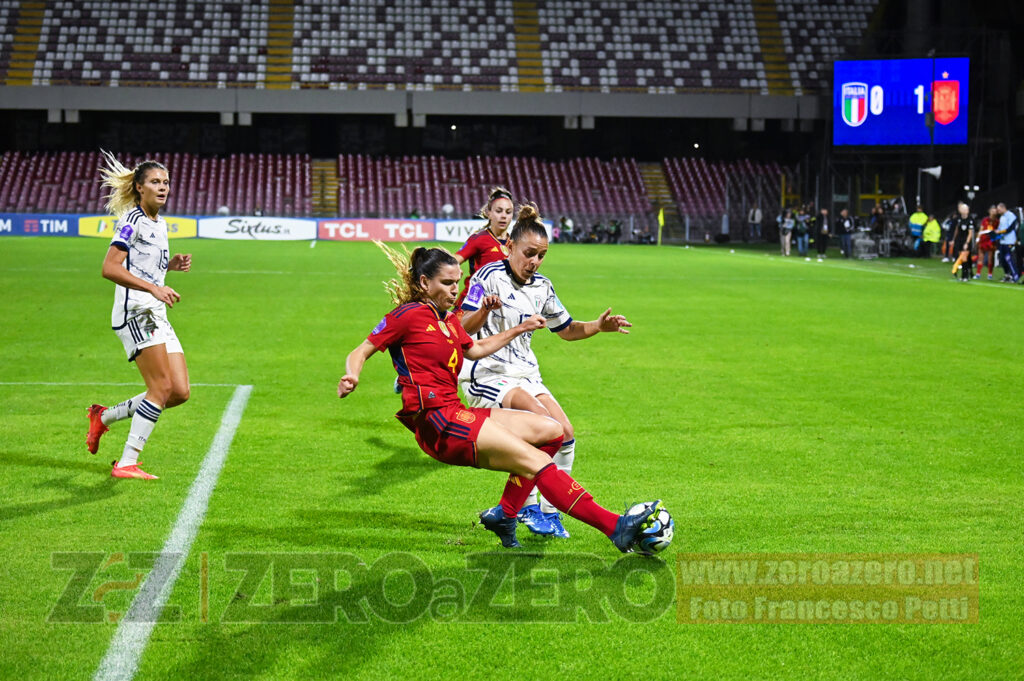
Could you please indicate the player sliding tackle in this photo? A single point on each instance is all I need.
(427, 344)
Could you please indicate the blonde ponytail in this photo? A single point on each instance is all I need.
(400, 289)
(121, 181)
(409, 267)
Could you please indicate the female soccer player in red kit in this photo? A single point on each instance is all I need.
(427, 344)
(489, 244)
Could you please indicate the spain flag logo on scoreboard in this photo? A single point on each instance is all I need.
(946, 100)
(855, 103)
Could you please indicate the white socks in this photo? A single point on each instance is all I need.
(123, 410)
(143, 422)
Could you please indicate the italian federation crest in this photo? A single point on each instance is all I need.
(855, 103)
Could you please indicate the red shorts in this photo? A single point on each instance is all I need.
(447, 433)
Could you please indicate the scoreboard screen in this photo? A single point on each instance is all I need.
(887, 102)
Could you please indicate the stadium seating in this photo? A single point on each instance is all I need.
(68, 182)
(583, 188)
(8, 15)
(408, 44)
(182, 43)
(656, 46)
(817, 33)
(703, 188)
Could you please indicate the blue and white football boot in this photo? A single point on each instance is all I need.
(536, 521)
(555, 519)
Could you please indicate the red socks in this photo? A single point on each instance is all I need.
(568, 496)
(551, 448)
(563, 492)
(517, 488)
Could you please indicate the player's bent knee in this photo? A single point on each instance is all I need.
(567, 431)
(550, 430)
(178, 396)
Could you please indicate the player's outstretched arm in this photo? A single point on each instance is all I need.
(354, 366)
(491, 344)
(474, 321)
(606, 323)
(114, 270)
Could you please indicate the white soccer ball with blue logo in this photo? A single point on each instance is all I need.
(656, 532)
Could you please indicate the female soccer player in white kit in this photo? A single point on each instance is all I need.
(137, 261)
(500, 295)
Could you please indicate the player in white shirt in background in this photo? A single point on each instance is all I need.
(137, 261)
(502, 294)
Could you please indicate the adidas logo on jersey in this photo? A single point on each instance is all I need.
(430, 327)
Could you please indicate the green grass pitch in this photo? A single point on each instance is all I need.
(775, 405)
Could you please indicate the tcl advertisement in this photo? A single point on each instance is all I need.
(383, 230)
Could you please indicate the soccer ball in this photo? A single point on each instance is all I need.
(656, 532)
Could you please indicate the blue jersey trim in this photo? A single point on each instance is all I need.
(556, 329)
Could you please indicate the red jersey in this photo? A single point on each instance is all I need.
(426, 347)
(479, 250)
(985, 240)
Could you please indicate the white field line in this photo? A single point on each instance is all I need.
(133, 632)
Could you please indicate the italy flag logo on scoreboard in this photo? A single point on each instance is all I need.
(855, 103)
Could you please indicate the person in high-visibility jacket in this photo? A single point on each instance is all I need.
(930, 235)
(917, 221)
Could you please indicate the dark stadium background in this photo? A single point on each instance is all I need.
(649, 128)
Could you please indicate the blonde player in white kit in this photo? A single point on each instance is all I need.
(137, 261)
(500, 295)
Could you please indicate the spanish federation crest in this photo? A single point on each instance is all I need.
(855, 103)
(946, 100)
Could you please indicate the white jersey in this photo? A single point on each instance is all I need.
(518, 302)
(145, 242)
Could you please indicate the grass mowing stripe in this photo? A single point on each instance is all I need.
(140, 385)
(132, 635)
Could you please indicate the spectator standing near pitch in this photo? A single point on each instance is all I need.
(821, 233)
(566, 224)
(802, 229)
(962, 240)
(501, 294)
(986, 247)
(947, 226)
(844, 229)
(1006, 236)
(786, 224)
(137, 262)
(916, 222)
(930, 235)
(754, 223)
